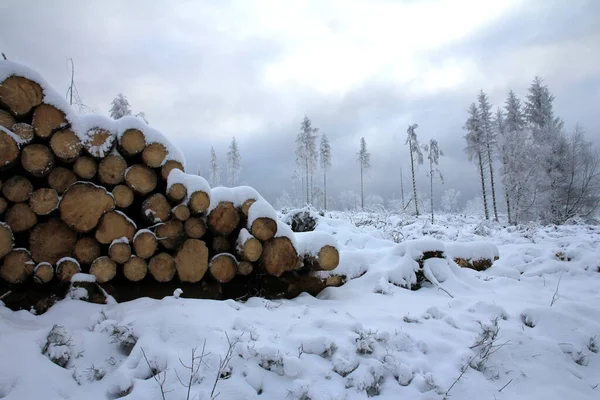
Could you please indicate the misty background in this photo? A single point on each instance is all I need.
(203, 72)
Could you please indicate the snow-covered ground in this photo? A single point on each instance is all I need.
(527, 328)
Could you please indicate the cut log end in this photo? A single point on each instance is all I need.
(140, 179)
(162, 267)
(6, 119)
(177, 192)
(199, 202)
(66, 268)
(47, 119)
(66, 145)
(9, 150)
(195, 227)
(170, 234)
(169, 166)
(156, 208)
(17, 189)
(123, 196)
(135, 269)
(61, 178)
(83, 204)
(278, 256)
(192, 261)
(181, 212)
(85, 167)
(111, 169)
(17, 266)
(114, 225)
(20, 95)
(246, 206)
(86, 250)
(23, 131)
(43, 273)
(37, 159)
(44, 201)
(50, 241)
(99, 142)
(263, 228)
(20, 217)
(250, 250)
(132, 142)
(329, 258)
(119, 252)
(104, 269)
(144, 244)
(7, 240)
(154, 155)
(224, 218)
(223, 267)
(244, 268)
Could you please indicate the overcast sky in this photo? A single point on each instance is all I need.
(204, 71)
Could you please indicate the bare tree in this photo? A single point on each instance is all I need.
(72, 92)
(402, 187)
(364, 159)
(433, 155)
(475, 149)
(415, 150)
(325, 158)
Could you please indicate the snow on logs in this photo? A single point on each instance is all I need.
(87, 194)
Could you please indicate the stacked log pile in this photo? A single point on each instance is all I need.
(111, 199)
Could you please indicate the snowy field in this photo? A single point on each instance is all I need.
(527, 328)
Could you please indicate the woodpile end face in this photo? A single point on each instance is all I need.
(91, 195)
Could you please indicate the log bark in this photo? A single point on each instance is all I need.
(170, 234)
(278, 256)
(119, 251)
(224, 218)
(198, 202)
(145, 244)
(20, 217)
(44, 201)
(162, 267)
(66, 145)
(104, 269)
(195, 227)
(9, 150)
(24, 131)
(154, 154)
(47, 119)
(192, 261)
(37, 159)
(132, 142)
(61, 178)
(246, 206)
(169, 166)
(85, 167)
(111, 170)
(66, 268)
(43, 273)
(181, 212)
(177, 192)
(141, 179)
(7, 240)
(223, 267)
(99, 142)
(17, 266)
(135, 269)
(244, 268)
(249, 249)
(327, 259)
(263, 228)
(86, 250)
(20, 95)
(50, 241)
(123, 196)
(220, 244)
(114, 225)
(6, 119)
(83, 204)
(156, 208)
(17, 189)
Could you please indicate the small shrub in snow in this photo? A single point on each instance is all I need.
(365, 342)
(124, 337)
(91, 374)
(302, 221)
(593, 345)
(527, 320)
(320, 346)
(58, 346)
(343, 365)
(485, 345)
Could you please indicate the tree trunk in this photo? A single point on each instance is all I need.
(37, 159)
(135, 269)
(224, 218)
(141, 179)
(66, 145)
(47, 119)
(111, 169)
(17, 266)
(145, 244)
(60, 179)
(50, 241)
(123, 196)
(491, 164)
(195, 227)
(402, 188)
(20, 95)
(20, 217)
(154, 154)
(278, 256)
(362, 197)
(86, 250)
(223, 267)
(263, 228)
(17, 189)
(431, 187)
(482, 177)
(114, 225)
(85, 167)
(414, 182)
(156, 208)
(104, 269)
(162, 267)
(324, 189)
(192, 261)
(44, 201)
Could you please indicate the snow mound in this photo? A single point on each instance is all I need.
(472, 250)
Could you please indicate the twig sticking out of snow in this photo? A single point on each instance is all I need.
(555, 296)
